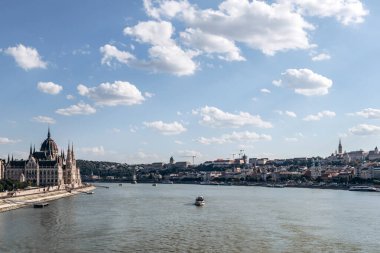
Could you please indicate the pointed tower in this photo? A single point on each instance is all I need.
(340, 148)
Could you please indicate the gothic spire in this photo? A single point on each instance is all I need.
(48, 132)
(30, 152)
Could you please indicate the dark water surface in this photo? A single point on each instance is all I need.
(143, 218)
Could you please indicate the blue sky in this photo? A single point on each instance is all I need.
(140, 81)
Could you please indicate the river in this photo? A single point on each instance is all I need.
(144, 218)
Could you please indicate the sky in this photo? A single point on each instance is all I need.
(141, 81)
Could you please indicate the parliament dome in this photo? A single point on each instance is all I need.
(49, 146)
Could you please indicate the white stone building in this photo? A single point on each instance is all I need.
(46, 167)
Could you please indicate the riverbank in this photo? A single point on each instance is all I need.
(10, 203)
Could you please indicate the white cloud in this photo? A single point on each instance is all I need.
(305, 82)
(26, 57)
(70, 97)
(111, 52)
(178, 142)
(320, 115)
(148, 94)
(189, 153)
(5, 140)
(291, 139)
(277, 83)
(245, 136)
(44, 119)
(78, 109)
(210, 44)
(85, 50)
(266, 27)
(164, 54)
(291, 114)
(143, 157)
(173, 128)
(116, 130)
(265, 91)
(133, 129)
(345, 11)
(112, 94)
(49, 88)
(214, 117)
(364, 129)
(369, 113)
(321, 57)
(287, 113)
(98, 150)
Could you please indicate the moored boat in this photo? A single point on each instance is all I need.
(363, 188)
(200, 201)
(40, 205)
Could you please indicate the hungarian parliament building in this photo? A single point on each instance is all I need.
(46, 167)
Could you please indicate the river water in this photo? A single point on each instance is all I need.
(143, 218)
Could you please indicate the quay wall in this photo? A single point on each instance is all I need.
(31, 197)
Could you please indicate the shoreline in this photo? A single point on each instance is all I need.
(11, 203)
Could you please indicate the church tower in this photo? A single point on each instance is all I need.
(340, 148)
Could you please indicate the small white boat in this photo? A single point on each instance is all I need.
(363, 188)
(154, 184)
(200, 201)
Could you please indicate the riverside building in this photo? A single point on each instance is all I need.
(47, 167)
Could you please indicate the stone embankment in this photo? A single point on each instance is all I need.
(25, 198)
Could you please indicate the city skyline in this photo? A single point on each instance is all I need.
(140, 81)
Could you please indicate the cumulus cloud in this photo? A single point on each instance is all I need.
(44, 119)
(5, 140)
(111, 53)
(305, 82)
(369, 113)
(265, 91)
(97, 150)
(49, 88)
(266, 27)
(112, 94)
(245, 136)
(173, 128)
(78, 109)
(365, 129)
(345, 11)
(164, 54)
(70, 97)
(212, 44)
(26, 57)
(321, 57)
(214, 117)
(320, 115)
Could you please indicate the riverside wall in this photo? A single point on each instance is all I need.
(29, 197)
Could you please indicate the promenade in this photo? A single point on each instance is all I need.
(10, 203)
